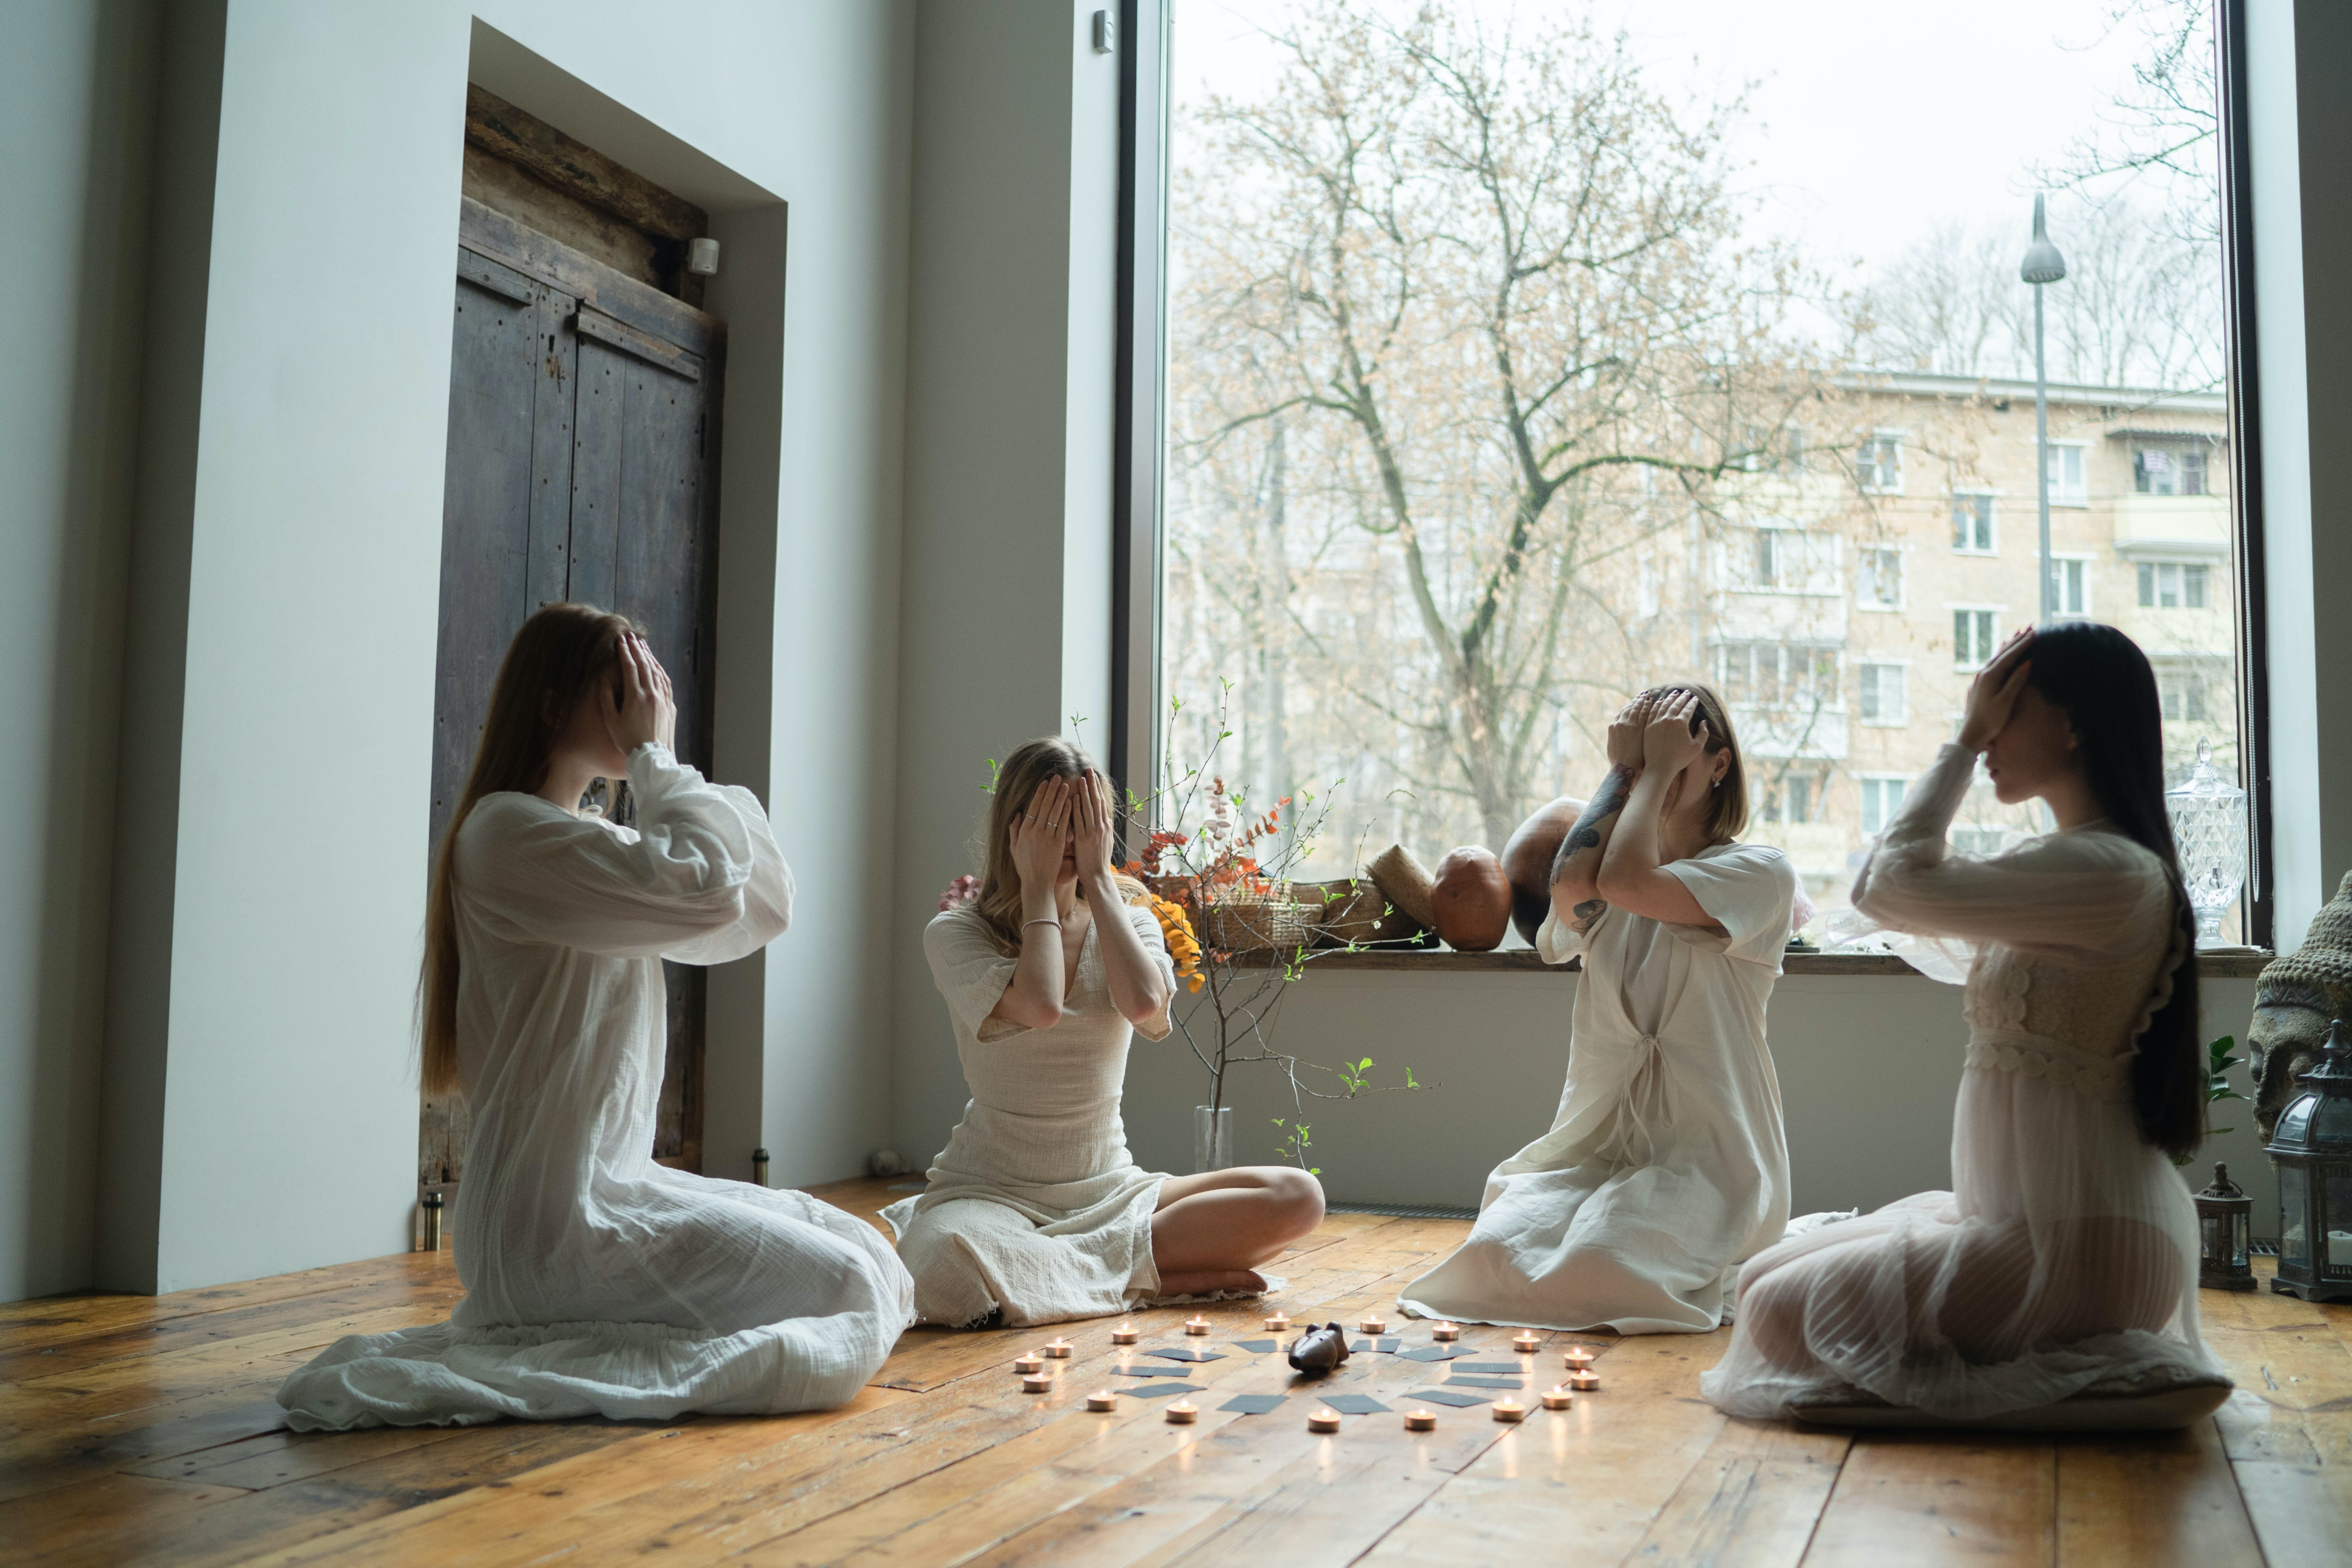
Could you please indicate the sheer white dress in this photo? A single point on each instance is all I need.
(2066, 1256)
(1034, 1208)
(1665, 1167)
(598, 1282)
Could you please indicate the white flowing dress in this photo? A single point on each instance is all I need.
(2066, 1255)
(1034, 1208)
(598, 1282)
(1666, 1165)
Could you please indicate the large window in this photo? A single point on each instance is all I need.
(1513, 368)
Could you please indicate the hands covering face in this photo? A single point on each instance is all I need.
(1063, 818)
(1668, 741)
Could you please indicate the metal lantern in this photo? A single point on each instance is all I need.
(2209, 824)
(759, 1167)
(2312, 1147)
(431, 1206)
(2224, 1214)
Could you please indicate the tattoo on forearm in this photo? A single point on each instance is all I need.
(1607, 802)
(1587, 912)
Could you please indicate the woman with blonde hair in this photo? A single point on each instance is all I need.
(1665, 1167)
(597, 1282)
(1035, 1213)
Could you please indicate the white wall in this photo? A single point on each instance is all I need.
(76, 96)
(263, 976)
(1869, 1065)
(1006, 590)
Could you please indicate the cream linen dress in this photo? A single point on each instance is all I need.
(598, 1283)
(1665, 1166)
(1972, 1303)
(1034, 1207)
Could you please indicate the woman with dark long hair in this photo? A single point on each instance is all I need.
(597, 1282)
(1035, 1212)
(2063, 1267)
(1665, 1167)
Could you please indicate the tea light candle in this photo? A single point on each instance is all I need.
(1183, 1412)
(1322, 1421)
(1374, 1324)
(1102, 1400)
(1584, 1381)
(1125, 1334)
(1578, 1358)
(1037, 1383)
(1276, 1322)
(1196, 1326)
(1446, 1331)
(1420, 1421)
(1058, 1350)
(1524, 1341)
(1026, 1364)
(1509, 1410)
(1558, 1398)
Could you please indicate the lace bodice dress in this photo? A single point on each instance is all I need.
(2065, 1256)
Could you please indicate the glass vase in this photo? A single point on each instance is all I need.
(1212, 1138)
(2209, 824)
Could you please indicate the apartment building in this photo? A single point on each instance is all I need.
(1852, 599)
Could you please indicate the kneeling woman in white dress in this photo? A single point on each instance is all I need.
(1035, 1212)
(1665, 1166)
(597, 1281)
(2064, 1260)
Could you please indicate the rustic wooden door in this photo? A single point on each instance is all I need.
(581, 465)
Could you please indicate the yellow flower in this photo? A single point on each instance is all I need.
(1183, 946)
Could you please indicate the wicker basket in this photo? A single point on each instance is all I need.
(1236, 922)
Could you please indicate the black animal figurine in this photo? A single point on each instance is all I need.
(1318, 1350)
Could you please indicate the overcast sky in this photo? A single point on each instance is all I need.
(1870, 120)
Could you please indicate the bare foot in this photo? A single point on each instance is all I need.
(1203, 1281)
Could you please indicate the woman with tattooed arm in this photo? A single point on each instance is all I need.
(1665, 1167)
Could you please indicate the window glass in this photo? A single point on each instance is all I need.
(1470, 438)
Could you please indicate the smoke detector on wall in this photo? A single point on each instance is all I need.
(702, 257)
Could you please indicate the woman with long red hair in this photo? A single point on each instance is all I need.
(597, 1281)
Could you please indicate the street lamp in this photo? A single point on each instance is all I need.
(2042, 265)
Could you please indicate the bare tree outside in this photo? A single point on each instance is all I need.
(1497, 282)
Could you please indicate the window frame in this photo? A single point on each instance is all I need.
(2059, 560)
(2077, 500)
(1863, 780)
(1992, 642)
(1860, 662)
(1898, 439)
(1991, 520)
(1902, 580)
(1139, 426)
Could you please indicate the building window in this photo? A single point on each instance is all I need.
(2184, 690)
(1793, 797)
(1981, 842)
(1789, 561)
(1802, 677)
(2067, 484)
(2072, 584)
(2174, 586)
(1878, 466)
(1972, 637)
(2171, 469)
(1771, 451)
(1880, 692)
(1881, 798)
(1880, 583)
(1972, 521)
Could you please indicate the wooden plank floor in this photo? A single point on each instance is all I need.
(137, 1429)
